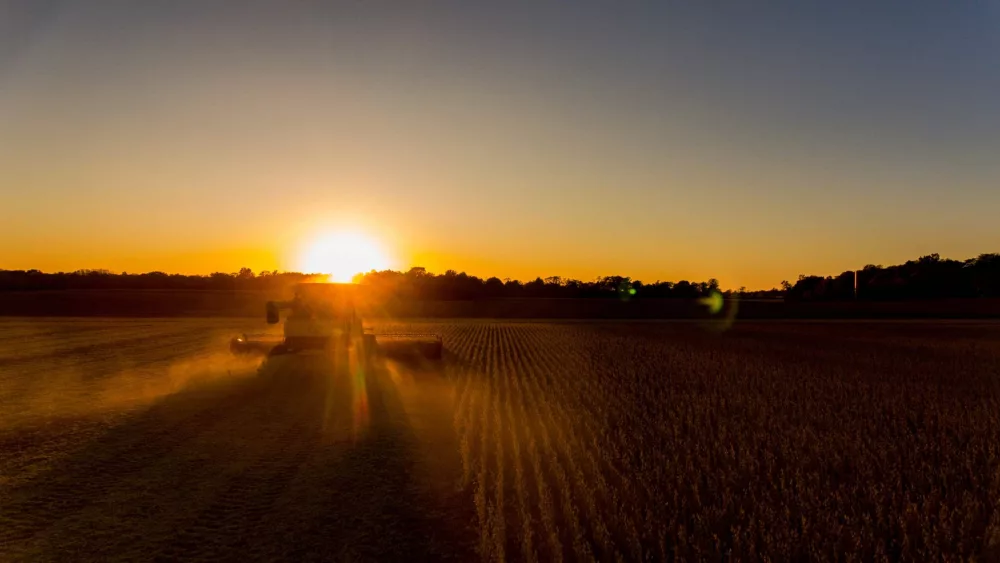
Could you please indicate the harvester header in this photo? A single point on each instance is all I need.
(325, 317)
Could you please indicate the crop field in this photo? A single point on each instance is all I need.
(530, 441)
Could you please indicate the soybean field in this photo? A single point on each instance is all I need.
(528, 441)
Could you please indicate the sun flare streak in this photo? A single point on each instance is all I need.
(361, 419)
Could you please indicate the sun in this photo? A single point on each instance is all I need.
(342, 255)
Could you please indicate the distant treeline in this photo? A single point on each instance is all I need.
(928, 277)
(924, 278)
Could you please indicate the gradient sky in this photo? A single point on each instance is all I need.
(659, 140)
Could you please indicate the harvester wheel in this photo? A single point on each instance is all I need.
(279, 350)
(433, 350)
(369, 347)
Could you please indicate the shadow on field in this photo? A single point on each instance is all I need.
(310, 458)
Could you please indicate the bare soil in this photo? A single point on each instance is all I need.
(140, 440)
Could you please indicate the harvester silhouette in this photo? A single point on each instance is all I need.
(323, 318)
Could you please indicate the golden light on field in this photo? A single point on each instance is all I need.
(343, 255)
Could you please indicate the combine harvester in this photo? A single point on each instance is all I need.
(324, 318)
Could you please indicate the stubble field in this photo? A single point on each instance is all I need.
(142, 439)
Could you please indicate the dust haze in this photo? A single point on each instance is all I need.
(105, 372)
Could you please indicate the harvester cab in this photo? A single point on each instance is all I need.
(321, 315)
(325, 317)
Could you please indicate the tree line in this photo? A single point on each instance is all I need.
(927, 277)
(924, 278)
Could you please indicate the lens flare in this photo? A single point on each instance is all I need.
(722, 312)
(362, 418)
(713, 301)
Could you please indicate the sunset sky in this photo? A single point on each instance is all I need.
(521, 139)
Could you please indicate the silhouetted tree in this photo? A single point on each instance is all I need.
(535, 288)
(685, 290)
(493, 288)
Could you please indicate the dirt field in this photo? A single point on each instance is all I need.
(141, 439)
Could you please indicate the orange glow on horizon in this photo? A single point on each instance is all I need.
(342, 255)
